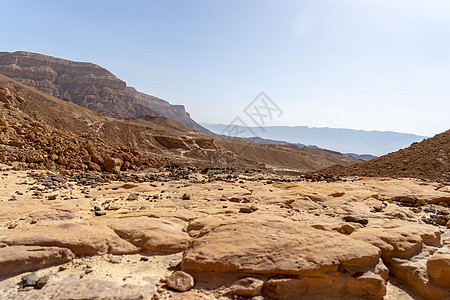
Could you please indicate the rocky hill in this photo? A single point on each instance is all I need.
(155, 138)
(88, 85)
(429, 159)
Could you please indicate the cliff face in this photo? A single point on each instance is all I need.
(88, 85)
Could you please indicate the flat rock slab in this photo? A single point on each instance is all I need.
(399, 238)
(82, 239)
(76, 289)
(18, 259)
(272, 245)
(151, 234)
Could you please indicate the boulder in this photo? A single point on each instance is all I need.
(112, 165)
(180, 281)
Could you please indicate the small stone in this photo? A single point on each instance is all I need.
(143, 258)
(42, 281)
(186, 197)
(356, 219)
(30, 280)
(51, 197)
(133, 197)
(62, 268)
(96, 208)
(248, 210)
(115, 260)
(180, 281)
(337, 194)
(100, 213)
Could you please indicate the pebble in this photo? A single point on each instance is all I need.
(186, 197)
(30, 280)
(115, 260)
(100, 213)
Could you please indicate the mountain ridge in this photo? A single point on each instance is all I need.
(342, 140)
(88, 85)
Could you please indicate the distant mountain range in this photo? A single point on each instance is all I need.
(347, 141)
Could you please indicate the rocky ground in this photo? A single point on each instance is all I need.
(179, 233)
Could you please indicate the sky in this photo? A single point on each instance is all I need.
(360, 64)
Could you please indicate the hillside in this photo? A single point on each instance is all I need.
(157, 139)
(88, 85)
(429, 159)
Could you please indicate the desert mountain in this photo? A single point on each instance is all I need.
(88, 85)
(156, 139)
(343, 140)
(429, 159)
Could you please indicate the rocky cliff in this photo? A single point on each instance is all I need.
(88, 85)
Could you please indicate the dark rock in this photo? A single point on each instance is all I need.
(100, 213)
(440, 219)
(186, 197)
(356, 219)
(42, 281)
(248, 210)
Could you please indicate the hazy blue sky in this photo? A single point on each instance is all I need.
(374, 65)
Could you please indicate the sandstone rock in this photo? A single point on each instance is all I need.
(180, 281)
(18, 259)
(438, 267)
(322, 261)
(413, 272)
(399, 238)
(151, 234)
(270, 244)
(82, 239)
(368, 286)
(247, 287)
